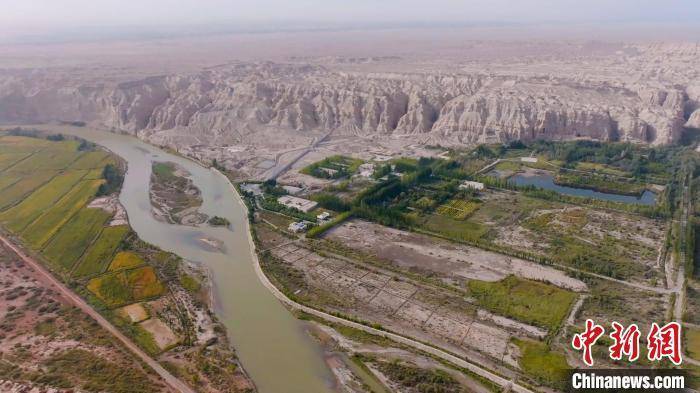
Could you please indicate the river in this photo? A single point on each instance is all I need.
(273, 346)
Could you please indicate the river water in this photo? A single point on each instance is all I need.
(546, 180)
(273, 345)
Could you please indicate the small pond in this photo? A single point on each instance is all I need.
(545, 180)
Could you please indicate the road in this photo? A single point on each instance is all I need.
(170, 379)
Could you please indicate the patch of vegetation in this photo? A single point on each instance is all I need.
(335, 167)
(113, 180)
(125, 260)
(692, 342)
(321, 229)
(30, 208)
(43, 228)
(219, 221)
(458, 209)
(21, 187)
(126, 286)
(542, 364)
(75, 237)
(528, 301)
(418, 379)
(600, 183)
(99, 255)
(77, 367)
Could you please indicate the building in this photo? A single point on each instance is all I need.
(297, 227)
(471, 185)
(528, 159)
(293, 202)
(323, 216)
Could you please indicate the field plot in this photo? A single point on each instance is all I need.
(458, 209)
(99, 255)
(22, 186)
(43, 228)
(530, 301)
(125, 260)
(30, 208)
(126, 286)
(75, 237)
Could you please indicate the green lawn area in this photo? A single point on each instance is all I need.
(542, 364)
(75, 237)
(19, 216)
(528, 301)
(99, 255)
(42, 229)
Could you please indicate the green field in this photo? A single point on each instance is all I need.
(43, 228)
(30, 208)
(542, 364)
(99, 255)
(126, 286)
(75, 237)
(528, 301)
(22, 187)
(467, 230)
(458, 209)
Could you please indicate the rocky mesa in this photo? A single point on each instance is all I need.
(644, 94)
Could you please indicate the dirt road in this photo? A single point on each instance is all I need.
(170, 379)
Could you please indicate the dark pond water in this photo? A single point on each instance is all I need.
(546, 180)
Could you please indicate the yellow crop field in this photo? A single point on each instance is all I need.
(458, 209)
(125, 260)
(126, 286)
(99, 255)
(22, 214)
(71, 241)
(90, 160)
(43, 228)
(23, 187)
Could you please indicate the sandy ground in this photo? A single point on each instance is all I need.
(451, 261)
(162, 334)
(41, 322)
(134, 312)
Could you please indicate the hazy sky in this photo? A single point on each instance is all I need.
(41, 16)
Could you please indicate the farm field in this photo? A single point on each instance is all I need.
(99, 256)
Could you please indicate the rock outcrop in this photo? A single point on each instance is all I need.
(460, 108)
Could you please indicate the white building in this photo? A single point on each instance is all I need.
(528, 159)
(471, 184)
(304, 205)
(297, 227)
(323, 216)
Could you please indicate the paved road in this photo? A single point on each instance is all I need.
(170, 379)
